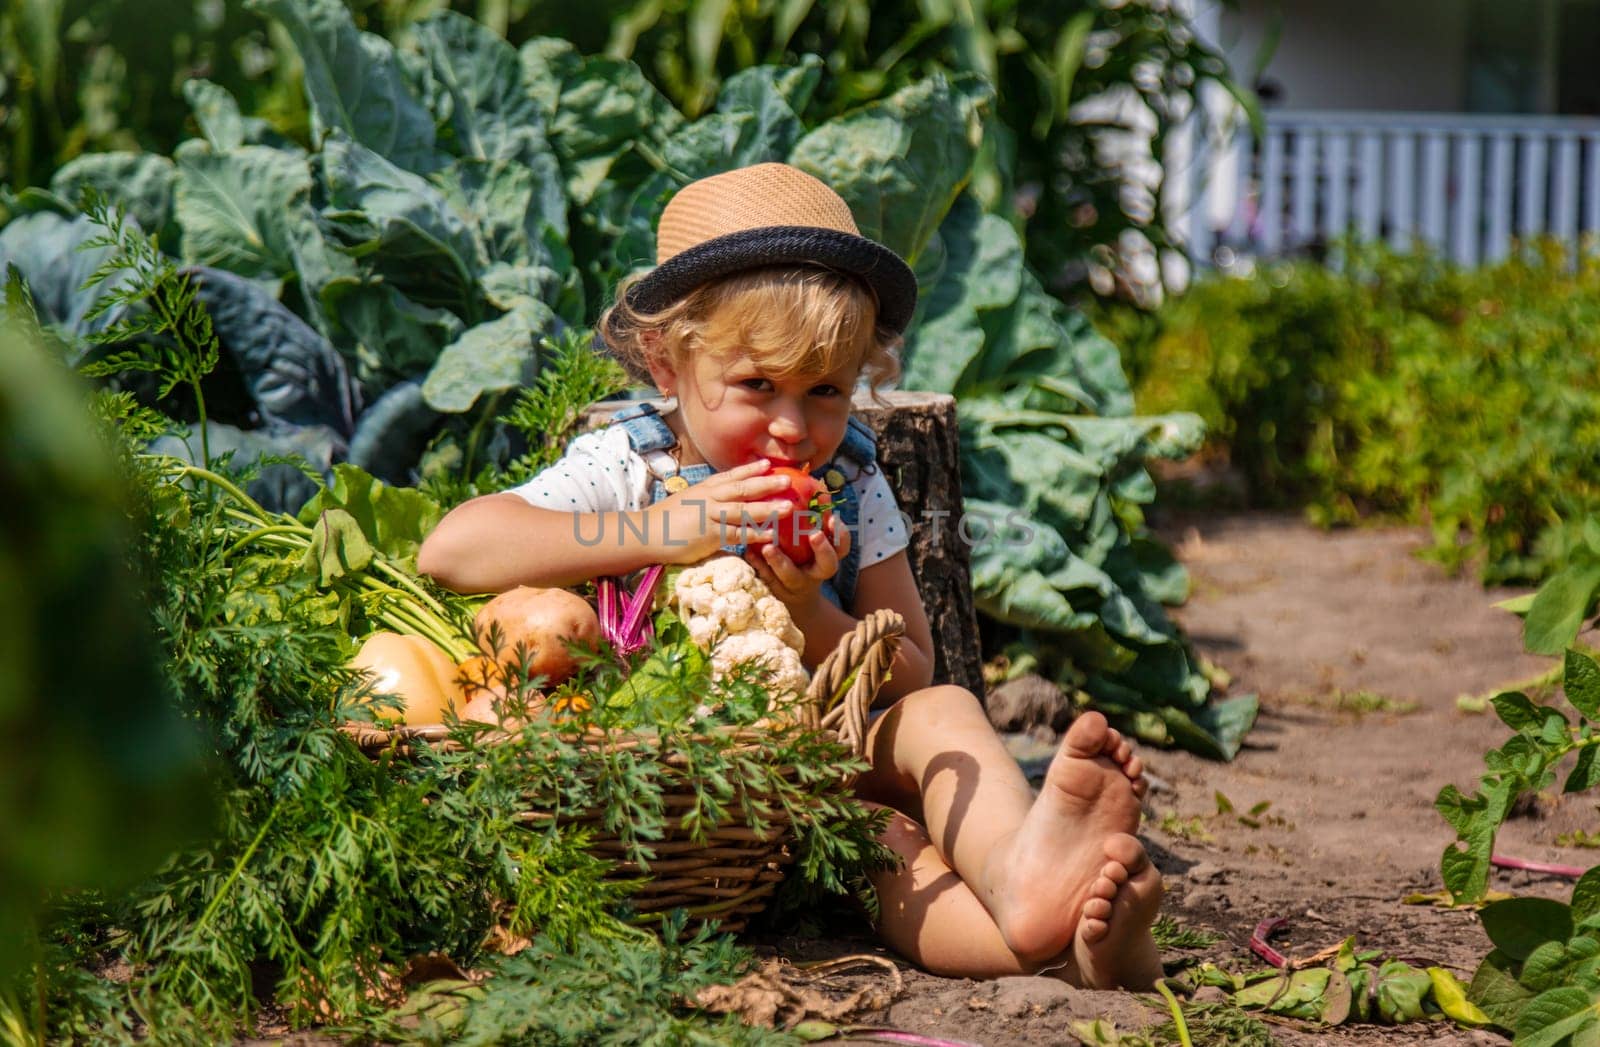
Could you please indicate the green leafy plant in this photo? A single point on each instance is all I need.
(84, 75)
(1346, 985)
(1542, 981)
(1566, 600)
(1169, 933)
(1054, 479)
(329, 870)
(71, 84)
(1055, 69)
(1216, 1025)
(1525, 764)
(1202, 1025)
(160, 316)
(620, 991)
(1398, 387)
(546, 415)
(466, 205)
(90, 739)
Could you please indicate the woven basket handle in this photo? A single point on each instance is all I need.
(857, 667)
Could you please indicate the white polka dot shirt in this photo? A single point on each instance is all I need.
(601, 473)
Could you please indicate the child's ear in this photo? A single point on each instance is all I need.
(662, 373)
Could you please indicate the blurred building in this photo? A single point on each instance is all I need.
(1462, 124)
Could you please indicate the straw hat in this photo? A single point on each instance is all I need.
(767, 214)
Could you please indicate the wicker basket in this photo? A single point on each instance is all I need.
(729, 875)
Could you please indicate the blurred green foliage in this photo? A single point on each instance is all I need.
(83, 75)
(92, 75)
(79, 76)
(1082, 187)
(91, 742)
(1399, 387)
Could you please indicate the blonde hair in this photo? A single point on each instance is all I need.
(790, 320)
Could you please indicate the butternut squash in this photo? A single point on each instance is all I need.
(415, 670)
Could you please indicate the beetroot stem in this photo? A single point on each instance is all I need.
(624, 616)
(636, 627)
(912, 1039)
(1571, 872)
(1258, 941)
(606, 596)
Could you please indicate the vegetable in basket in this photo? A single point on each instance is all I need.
(524, 634)
(530, 632)
(416, 671)
(625, 616)
(729, 612)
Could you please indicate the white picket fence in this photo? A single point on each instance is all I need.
(1467, 185)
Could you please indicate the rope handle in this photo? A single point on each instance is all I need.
(844, 685)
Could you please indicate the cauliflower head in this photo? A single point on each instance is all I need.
(787, 674)
(731, 614)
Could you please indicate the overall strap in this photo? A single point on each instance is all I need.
(653, 440)
(647, 430)
(860, 445)
(649, 436)
(857, 454)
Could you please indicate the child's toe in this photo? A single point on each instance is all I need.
(1095, 911)
(1125, 850)
(1104, 887)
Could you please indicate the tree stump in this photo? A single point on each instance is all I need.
(919, 451)
(920, 454)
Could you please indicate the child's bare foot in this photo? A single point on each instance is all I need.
(1113, 947)
(1120, 752)
(1036, 884)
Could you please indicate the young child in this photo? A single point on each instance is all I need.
(765, 309)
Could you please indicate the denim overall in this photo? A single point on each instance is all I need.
(651, 438)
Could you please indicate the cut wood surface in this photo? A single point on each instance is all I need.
(919, 450)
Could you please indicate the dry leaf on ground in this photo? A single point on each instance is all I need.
(782, 995)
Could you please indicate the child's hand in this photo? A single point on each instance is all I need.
(729, 508)
(801, 587)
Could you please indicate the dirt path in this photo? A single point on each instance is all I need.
(1321, 625)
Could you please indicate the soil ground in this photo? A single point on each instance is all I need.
(1359, 650)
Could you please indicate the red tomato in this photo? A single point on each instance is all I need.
(811, 500)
